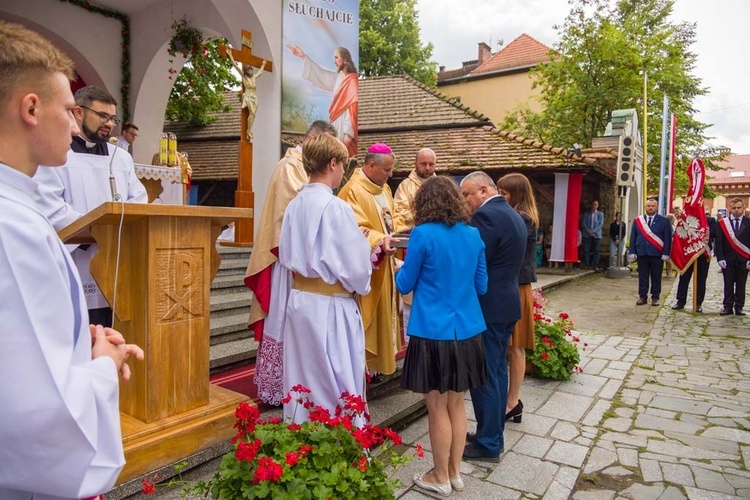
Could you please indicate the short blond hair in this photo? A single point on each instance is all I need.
(28, 59)
(318, 151)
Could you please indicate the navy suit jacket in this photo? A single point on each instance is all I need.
(640, 246)
(724, 250)
(504, 235)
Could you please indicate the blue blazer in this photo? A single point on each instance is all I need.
(640, 246)
(504, 234)
(446, 270)
(596, 228)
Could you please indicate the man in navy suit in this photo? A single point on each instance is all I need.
(733, 256)
(650, 244)
(504, 235)
(592, 223)
(703, 263)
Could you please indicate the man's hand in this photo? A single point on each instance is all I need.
(632, 257)
(116, 340)
(591, 233)
(722, 264)
(665, 258)
(296, 50)
(365, 231)
(398, 263)
(387, 248)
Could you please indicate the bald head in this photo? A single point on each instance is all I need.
(425, 162)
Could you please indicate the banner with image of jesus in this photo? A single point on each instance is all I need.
(319, 66)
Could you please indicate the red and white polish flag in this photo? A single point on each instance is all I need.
(565, 218)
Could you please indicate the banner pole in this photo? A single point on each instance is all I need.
(695, 284)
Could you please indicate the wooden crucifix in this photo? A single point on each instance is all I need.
(244, 197)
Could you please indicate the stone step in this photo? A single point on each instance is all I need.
(229, 328)
(229, 267)
(230, 304)
(233, 354)
(394, 408)
(230, 283)
(234, 252)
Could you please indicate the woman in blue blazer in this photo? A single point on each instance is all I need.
(445, 268)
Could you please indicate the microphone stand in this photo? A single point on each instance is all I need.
(112, 183)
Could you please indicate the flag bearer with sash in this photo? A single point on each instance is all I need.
(650, 245)
(733, 256)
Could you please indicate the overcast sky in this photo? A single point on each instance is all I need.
(723, 38)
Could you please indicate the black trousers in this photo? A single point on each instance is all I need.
(682, 285)
(735, 278)
(101, 316)
(649, 268)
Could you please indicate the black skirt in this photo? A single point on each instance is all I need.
(444, 365)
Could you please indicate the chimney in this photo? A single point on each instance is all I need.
(442, 69)
(485, 52)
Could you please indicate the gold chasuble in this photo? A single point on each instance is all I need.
(404, 216)
(373, 209)
(286, 181)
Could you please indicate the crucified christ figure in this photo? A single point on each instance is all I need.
(249, 97)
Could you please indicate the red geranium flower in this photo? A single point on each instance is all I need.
(545, 355)
(268, 470)
(420, 450)
(393, 436)
(301, 388)
(246, 452)
(287, 399)
(564, 316)
(292, 458)
(294, 427)
(362, 464)
(147, 487)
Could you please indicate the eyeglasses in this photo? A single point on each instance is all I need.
(104, 117)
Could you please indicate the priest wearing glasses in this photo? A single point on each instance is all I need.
(83, 183)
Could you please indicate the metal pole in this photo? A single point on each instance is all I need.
(645, 138)
(663, 164)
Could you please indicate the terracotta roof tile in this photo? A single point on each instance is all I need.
(466, 149)
(449, 74)
(522, 52)
(400, 102)
(226, 125)
(734, 165)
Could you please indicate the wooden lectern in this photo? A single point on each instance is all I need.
(167, 261)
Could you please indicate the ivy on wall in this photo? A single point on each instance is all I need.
(124, 46)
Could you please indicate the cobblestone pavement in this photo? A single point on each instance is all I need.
(661, 410)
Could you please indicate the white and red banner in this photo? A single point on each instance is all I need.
(565, 219)
(730, 237)
(647, 233)
(691, 232)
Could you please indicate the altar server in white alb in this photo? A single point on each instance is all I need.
(59, 412)
(323, 337)
(83, 183)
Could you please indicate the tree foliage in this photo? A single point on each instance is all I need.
(198, 87)
(389, 41)
(597, 67)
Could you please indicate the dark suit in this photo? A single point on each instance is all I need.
(650, 262)
(702, 265)
(735, 274)
(504, 235)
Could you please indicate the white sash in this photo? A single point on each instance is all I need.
(741, 249)
(649, 234)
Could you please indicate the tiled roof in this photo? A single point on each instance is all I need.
(522, 52)
(212, 160)
(401, 103)
(734, 165)
(227, 125)
(470, 148)
(450, 74)
(408, 116)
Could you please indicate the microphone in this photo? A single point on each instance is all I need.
(112, 183)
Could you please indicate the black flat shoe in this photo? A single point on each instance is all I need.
(738, 312)
(470, 436)
(516, 413)
(725, 312)
(678, 306)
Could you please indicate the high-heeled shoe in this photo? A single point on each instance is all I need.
(516, 413)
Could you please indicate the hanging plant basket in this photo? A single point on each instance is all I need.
(186, 40)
